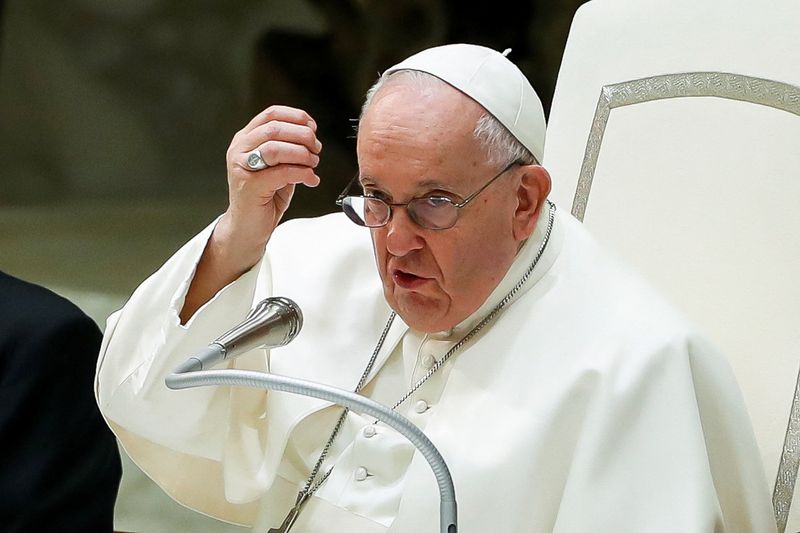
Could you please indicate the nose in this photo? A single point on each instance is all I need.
(402, 234)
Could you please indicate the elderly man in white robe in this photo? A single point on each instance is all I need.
(564, 394)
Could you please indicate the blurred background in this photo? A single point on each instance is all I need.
(115, 118)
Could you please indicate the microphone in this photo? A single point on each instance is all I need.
(273, 322)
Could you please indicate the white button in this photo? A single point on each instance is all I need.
(421, 406)
(370, 431)
(361, 473)
(428, 361)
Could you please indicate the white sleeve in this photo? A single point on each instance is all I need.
(144, 341)
(209, 447)
(177, 437)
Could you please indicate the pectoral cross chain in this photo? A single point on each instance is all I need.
(291, 518)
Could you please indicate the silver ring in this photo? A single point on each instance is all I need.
(255, 161)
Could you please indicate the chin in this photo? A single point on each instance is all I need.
(421, 313)
(422, 324)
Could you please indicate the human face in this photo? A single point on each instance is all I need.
(415, 142)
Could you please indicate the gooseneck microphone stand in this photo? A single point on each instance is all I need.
(276, 321)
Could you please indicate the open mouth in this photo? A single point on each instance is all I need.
(407, 280)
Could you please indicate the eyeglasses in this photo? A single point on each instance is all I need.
(430, 212)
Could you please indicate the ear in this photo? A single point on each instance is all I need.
(534, 186)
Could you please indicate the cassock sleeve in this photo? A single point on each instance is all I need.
(178, 437)
(209, 447)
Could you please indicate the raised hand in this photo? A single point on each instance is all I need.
(285, 138)
(266, 159)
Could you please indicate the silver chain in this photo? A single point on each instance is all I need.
(308, 489)
(311, 487)
(488, 318)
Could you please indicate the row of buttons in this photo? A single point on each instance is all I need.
(362, 473)
(420, 407)
(370, 431)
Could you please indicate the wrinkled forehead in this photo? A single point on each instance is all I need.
(429, 119)
(414, 98)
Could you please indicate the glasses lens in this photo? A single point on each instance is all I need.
(370, 212)
(434, 212)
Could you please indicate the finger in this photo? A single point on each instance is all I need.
(287, 175)
(281, 113)
(283, 131)
(304, 175)
(276, 153)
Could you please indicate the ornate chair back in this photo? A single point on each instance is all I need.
(674, 137)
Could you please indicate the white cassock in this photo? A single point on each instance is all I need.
(587, 405)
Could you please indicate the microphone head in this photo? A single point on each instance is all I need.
(273, 322)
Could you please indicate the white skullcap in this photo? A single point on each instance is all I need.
(493, 81)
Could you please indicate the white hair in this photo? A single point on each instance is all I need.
(500, 145)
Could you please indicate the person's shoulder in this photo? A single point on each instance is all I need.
(321, 227)
(331, 236)
(25, 305)
(618, 301)
(321, 260)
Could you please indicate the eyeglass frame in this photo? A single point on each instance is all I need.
(391, 205)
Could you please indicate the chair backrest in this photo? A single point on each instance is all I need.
(674, 137)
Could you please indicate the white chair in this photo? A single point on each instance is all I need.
(682, 120)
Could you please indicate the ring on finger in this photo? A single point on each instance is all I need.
(255, 161)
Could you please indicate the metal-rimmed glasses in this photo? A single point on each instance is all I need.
(430, 212)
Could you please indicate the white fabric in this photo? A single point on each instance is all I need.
(492, 80)
(589, 405)
(699, 194)
(369, 472)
